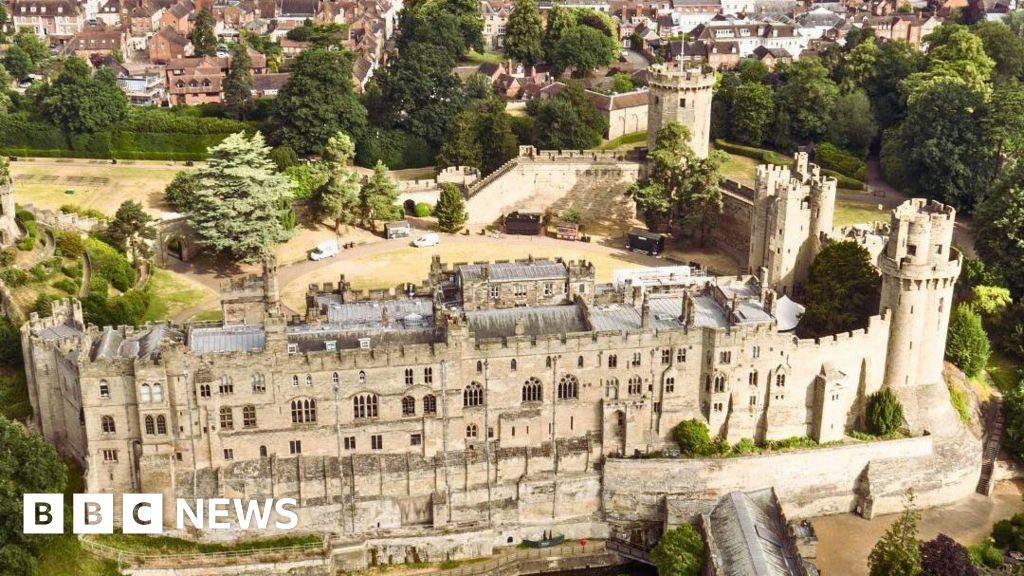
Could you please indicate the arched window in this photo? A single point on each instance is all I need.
(547, 362)
(780, 380)
(635, 386)
(227, 419)
(259, 383)
(161, 425)
(472, 431)
(479, 366)
(227, 386)
(720, 383)
(429, 404)
(362, 377)
(752, 378)
(145, 396)
(611, 389)
(150, 426)
(309, 379)
(513, 365)
(107, 423)
(473, 395)
(104, 389)
(295, 380)
(568, 388)
(263, 451)
(204, 390)
(364, 406)
(335, 379)
(303, 410)
(249, 416)
(533, 391)
(579, 362)
(408, 406)
(707, 382)
(158, 393)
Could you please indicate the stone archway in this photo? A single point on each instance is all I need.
(410, 207)
(175, 240)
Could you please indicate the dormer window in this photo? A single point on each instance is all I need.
(331, 345)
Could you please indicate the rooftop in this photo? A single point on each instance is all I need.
(513, 271)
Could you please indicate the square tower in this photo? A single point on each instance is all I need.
(681, 95)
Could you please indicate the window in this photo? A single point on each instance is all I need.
(429, 404)
(309, 380)
(568, 388)
(549, 289)
(725, 357)
(780, 380)
(472, 431)
(229, 454)
(682, 102)
(611, 389)
(670, 384)
(547, 362)
(428, 375)
(636, 359)
(330, 345)
(492, 291)
(227, 419)
(408, 406)
(376, 442)
(303, 410)
(105, 389)
(635, 384)
(226, 386)
(292, 347)
(720, 383)
(513, 365)
(335, 379)
(408, 377)
(350, 442)
(110, 455)
(295, 380)
(479, 367)
(365, 406)
(666, 356)
(107, 424)
(263, 451)
(150, 425)
(295, 446)
(473, 395)
(249, 416)
(613, 361)
(145, 396)
(259, 383)
(520, 290)
(161, 425)
(533, 391)
(204, 390)
(752, 378)
(681, 355)
(753, 400)
(362, 377)
(718, 406)
(755, 351)
(415, 439)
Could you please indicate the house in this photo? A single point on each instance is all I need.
(771, 57)
(178, 16)
(59, 19)
(144, 19)
(200, 80)
(717, 55)
(625, 113)
(268, 85)
(905, 27)
(750, 34)
(143, 87)
(495, 15)
(110, 13)
(95, 42)
(297, 10)
(168, 45)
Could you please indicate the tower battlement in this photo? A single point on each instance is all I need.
(680, 95)
(675, 74)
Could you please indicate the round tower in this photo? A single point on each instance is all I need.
(681, 95)
(8, 228)
(919, 268)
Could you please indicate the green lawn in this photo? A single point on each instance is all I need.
(625, 141)
(474, 57)
(740, 169)
(173, 293)
(1004, 371)
(208, 316)
(848, 212)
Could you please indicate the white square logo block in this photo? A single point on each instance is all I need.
(43, 514)
(142, 513)
(93, 514)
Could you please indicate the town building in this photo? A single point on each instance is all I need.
(51, 19)
(9, 232)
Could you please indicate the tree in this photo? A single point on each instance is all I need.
(753, 108)
(498, 144)
(884, 413)
(622, 83)
(450, 209)
(583, 48)
(842, 291)
(954, 53)
(967, 343)
(3, 25)
(235, 208)
(523, 33)
(896, 552)
(895, 62)
(461, 148)
(752, 70)
(422, 93)
(130, 229)
(180, 190)
(807, 97)
(1004, 47)
(10, 344)
(858, 67)
(18, 62)
(693, 438)
(997, 230)
(680, 552)
(568, 121)
(944, 556)
(560, 20)
(378, 196)
(204, 40)
(238, 83)
(28, 465)
(338, 198)
(78, 101)
(854, 127)
(318, 101)
(1004, 125)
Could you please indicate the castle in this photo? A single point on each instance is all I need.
(9, 232)
(507, 396)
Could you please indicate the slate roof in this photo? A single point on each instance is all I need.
(514, 271)
(538, 320)
(747, 536)
(401, 313)
(112, 345)
(248, 338)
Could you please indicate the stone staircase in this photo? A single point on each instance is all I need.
(993, 442)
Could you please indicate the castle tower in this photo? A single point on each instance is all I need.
(683, 96)
(919, 269)
(8, 227)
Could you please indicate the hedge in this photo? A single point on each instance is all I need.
(827, 155)
(110, 264)
(396, 149)
(772, 157)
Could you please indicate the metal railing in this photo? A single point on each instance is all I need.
(520, 556)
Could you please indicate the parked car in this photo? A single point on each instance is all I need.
(427, 240)
(325, 249)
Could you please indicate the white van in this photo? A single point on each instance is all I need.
(325, 249)
(430, 239)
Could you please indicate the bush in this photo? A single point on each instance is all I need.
(110, 264)
(306, 179)
(1003, 533)
(10, 343)
(744, 446)
(98, 285)
(967, 343)
(32, 228)
(14, 277)
(829, 156)
(985, 554)
(693, 438)
(885, 413)
(42, 305)
(284, 156)
(40, 272)
(396, 149)
(422, 209)
(759, 154)
(72, 270)
(27, 243)
(7, 256)
(70, 245)
(66, 285)
(791, 443)
(24, 215)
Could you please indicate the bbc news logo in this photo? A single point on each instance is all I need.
(144, 514)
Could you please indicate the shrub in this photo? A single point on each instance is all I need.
(423, 209)
(764, 156)
(1003, 533)
(14, 277)
(70, 245)
(10, 343)
(42, 305)
(967, 343)
(7, 256)
(27, 243)
(828, 155)
(24, 215)
(744, 446)
(32, 228)
(72, 270)
(985, 554)
(958, 398)
(791, 443)
(40, 272)
(110, 264)
(693, 438)
(99, 285)
(306, 178)
(680, 552)
(885, 413)
(396, 149)
(284, 156)
(571, 216)
(66, 285)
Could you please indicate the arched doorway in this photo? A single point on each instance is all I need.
(175, 247)
(410, 207)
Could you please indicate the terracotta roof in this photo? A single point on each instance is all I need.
(298, 7)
